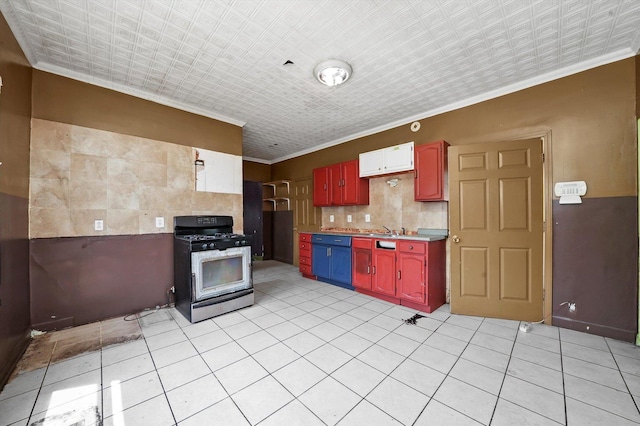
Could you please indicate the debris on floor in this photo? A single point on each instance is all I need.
(413, 319)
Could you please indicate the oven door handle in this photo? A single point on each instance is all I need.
(193, 286)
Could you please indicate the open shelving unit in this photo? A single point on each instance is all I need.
(277, 197)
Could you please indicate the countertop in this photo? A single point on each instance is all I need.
(412, 235)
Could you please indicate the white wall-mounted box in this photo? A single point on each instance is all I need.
(393, 159)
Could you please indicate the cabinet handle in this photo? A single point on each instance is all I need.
(398, 274)
(410, 247)
(368, 269)
(374, 270)
(328, 251)
(325, 186)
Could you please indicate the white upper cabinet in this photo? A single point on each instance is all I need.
(394, 159)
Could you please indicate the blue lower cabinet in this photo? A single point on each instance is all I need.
(331, 259)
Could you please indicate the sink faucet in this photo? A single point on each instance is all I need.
(388, 230)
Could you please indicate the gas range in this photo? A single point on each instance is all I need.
(218, 241)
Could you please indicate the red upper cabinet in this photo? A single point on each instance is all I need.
(430, 170)
(339, 185)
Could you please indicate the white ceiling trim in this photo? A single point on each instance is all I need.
(525, 84)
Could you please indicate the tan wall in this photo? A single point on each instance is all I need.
(257, 172)
(15, 114)
(79, 174)
(57, 98)
(590, 116)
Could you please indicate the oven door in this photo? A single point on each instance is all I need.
(220, 272)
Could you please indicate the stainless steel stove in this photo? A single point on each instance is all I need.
(212, 267)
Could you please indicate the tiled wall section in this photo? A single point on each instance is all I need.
(80, 174)
(393, 207)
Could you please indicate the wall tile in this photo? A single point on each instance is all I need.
(93, 142)
(153, 198)
(49, 193)
(123, 222)
(88, 168)
(49, 164)
(83, 222)
(50, 135)
(123, 197)
(147, 221)
(88, 195)
(122, 172)
(49, 223)
(151, 174)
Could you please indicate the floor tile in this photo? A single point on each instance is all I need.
(308, 321)
(472, 323)
(327, 313)
(610, 377)
(224, 413)
(346, 322)
(434, 358)
(85, 410)
(438, 414)
(446, 344)
(456, 332)
(398, 344)
(275, 357)
(241, 330)
(537, 356)
(476, 404)
(72, 367)
(412, 332)
(284, 330)
(329, 400)
(626, 364)
(483, 356)
(175, 375)
(363, 313)
(418, 376)
(633, 383)
(193, 397)
(383, 321)
(161, 327)
(595, 356)
(240, 374)
(495, 343)
(351, 343)
(624, 348)
(268, 320)
(299, 376)
(509, 414)
(257, 341)
(224, 355)
(366, 413)
(536, 374)
(328, 358)
(127, 369)
(398, 400)
(381, 358)
(508, 333)
(477, 375)
(200, 328)
(120, 352)
(583, 339)
(327, 331)
(229, 319)
(370, 332)
(155, 412)
(24, 382)
(253, 312)
(303, 343)
(65, 391)
(535, 398)
(538, 341)
(171, 354)
(119, 396)
(605, 398)
(358, 376)
(262, 399)
(579, 413)
(165, 339)
(212, 340)
(291, 312)
(17, 407)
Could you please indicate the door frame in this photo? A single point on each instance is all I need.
(547, 208)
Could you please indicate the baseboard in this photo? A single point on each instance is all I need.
(8, 365)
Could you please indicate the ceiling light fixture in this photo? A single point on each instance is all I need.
(332, 72)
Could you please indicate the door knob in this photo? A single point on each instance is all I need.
(455, 239)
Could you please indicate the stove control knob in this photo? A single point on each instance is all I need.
(212, 245)
(204, 247)
(237, 242)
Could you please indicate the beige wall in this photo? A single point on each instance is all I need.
(80, 174)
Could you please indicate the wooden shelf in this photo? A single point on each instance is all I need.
(275, 201)
(276, 198)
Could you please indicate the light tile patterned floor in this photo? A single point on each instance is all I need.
(309, 353)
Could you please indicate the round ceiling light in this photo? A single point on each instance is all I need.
(332, 72)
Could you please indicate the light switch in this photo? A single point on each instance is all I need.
(367, 217)
(349, 218)
(160, 222)
(98, 225)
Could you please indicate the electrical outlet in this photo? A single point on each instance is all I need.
(98, 225)
(349, 218)
(331, 218)
(160, 222)
(572, 306)
(367, 217)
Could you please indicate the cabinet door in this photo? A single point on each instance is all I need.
(341, 264)
(362, 268)
(320, 261)
(411, 277)
(355, 190)
(321, 187)
(370, 163)
(335, 184)
(384, 272)
(398, 158)
(429, 174)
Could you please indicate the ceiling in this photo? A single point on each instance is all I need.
(411, 59)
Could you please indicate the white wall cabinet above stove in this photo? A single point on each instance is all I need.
(393, 159)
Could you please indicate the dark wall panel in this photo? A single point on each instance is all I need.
(81, 280)
(595, 247)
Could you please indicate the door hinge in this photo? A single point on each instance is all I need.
(543, 157)
(543, 293)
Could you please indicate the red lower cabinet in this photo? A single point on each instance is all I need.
(304, 258)
(412, 274)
